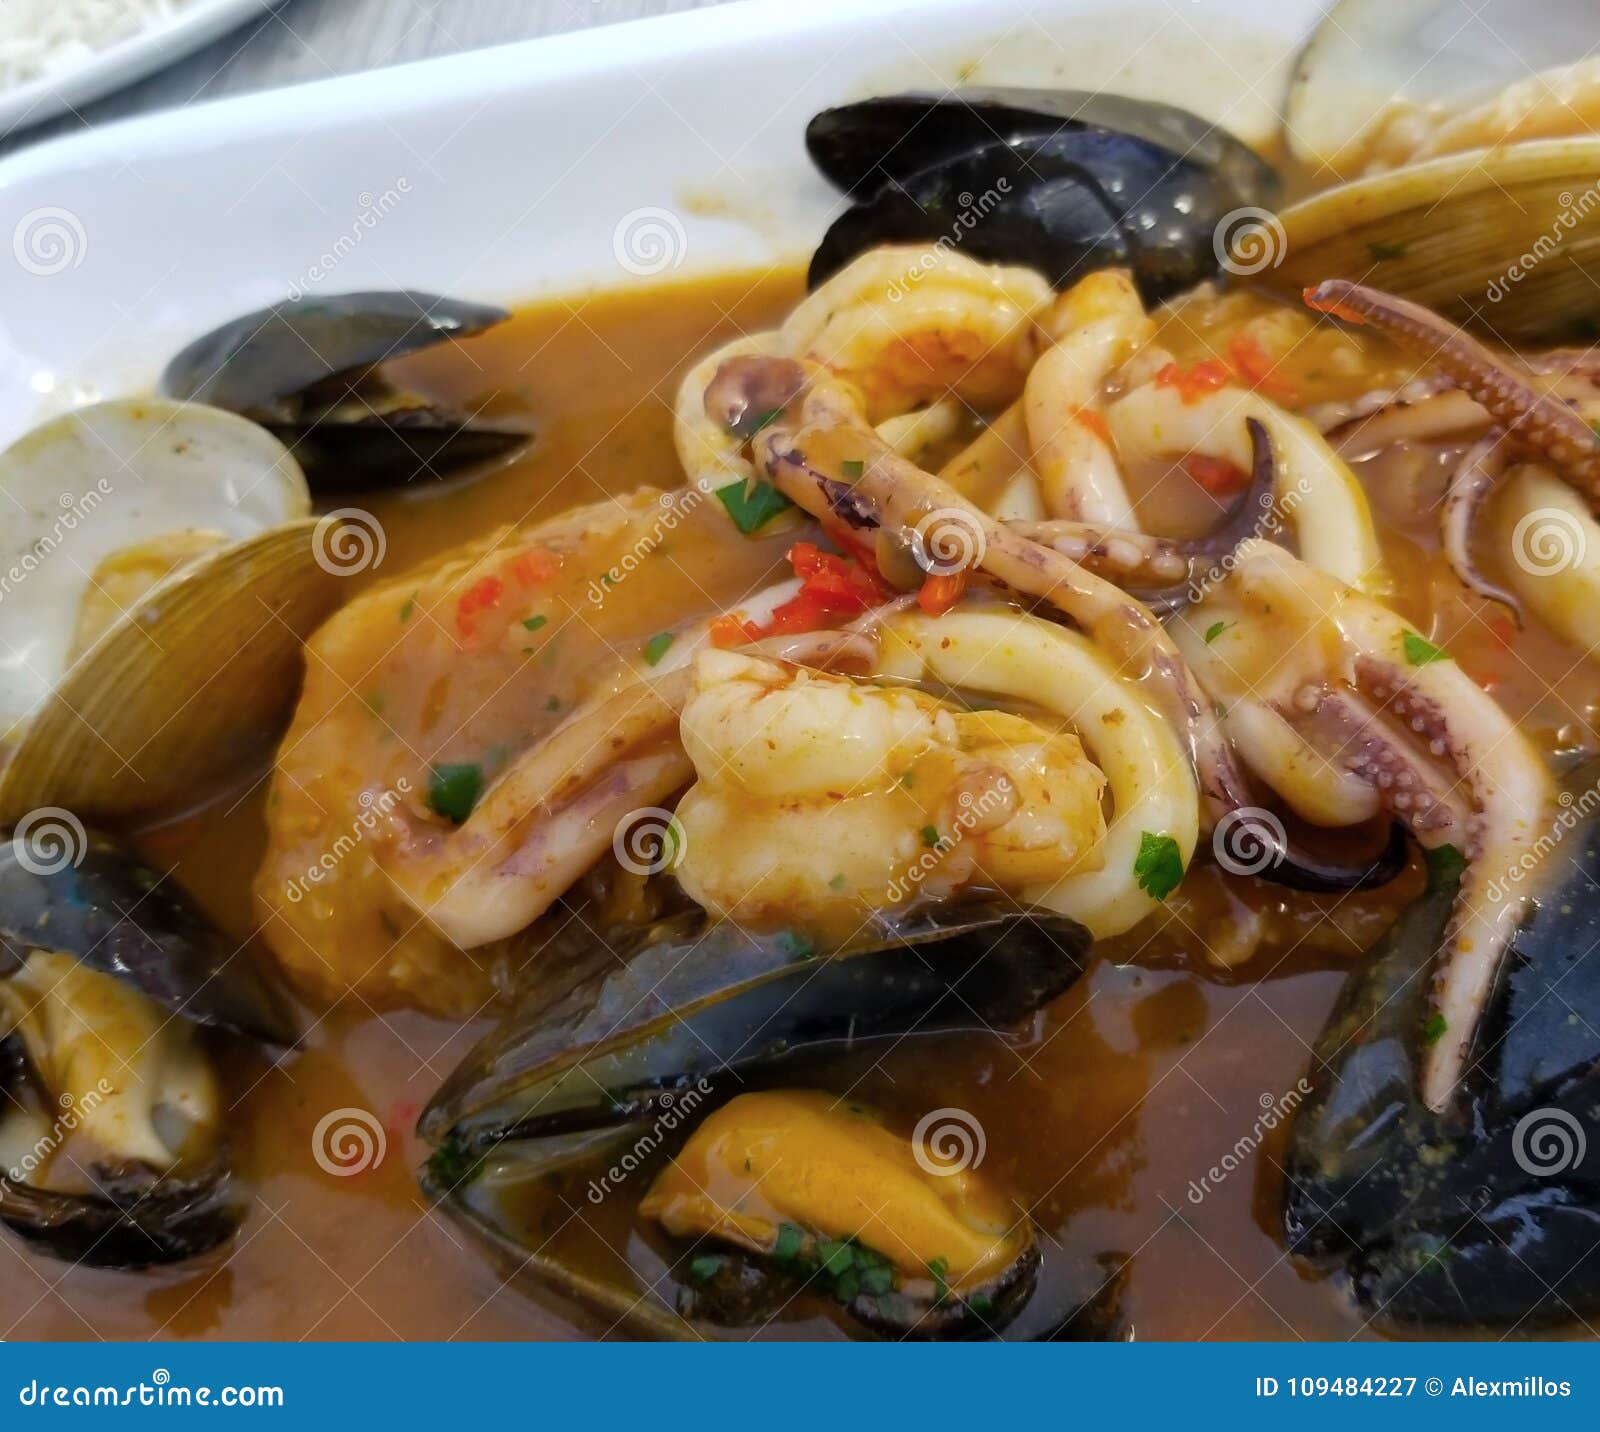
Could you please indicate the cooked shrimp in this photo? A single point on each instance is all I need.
(820, 801)
(912, 324)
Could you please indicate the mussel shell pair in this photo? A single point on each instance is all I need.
(96, 901)
(1057, 180)
(1487, 1215)
(602, 1042)
(304, 370)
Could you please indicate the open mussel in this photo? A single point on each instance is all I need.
(1487, 1214)
(112, 1136)
(611, 1055)
(310, 370)
(1061, 182)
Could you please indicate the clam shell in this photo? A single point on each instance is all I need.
(198, 676)
(1505, 241)
(106, 478)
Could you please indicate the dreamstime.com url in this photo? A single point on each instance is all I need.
(158, 1392)
(1511, 1388)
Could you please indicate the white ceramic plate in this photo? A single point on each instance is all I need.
(606, 157)
(197, 24)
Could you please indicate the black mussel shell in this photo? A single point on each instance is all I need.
(1487, 1215)
(305, 370)
(606, 1046)
(596, 1033)
(131, 1221)
(125, 919)
(862, 146)
(1008, 177)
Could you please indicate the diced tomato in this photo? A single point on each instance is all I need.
(732, 630)
(1094, 422)
(1258, 367)
(482, 596)
(832, 589)
(1207, 376)
(1215, 475)
(536, 565)
(939, 593)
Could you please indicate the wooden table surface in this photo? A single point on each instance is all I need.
(302, 40)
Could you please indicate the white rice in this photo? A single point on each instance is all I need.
(39, 38)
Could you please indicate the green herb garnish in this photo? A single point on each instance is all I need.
(534, 623)
(1445, 866)
(704, 1268)
(1433, 1030)
(452, 1167)
(852, 467)
(791, 1239)
(937, 1269)
(1381, 251)
(553, 704)
(409, 606)
(1420, 651)
(454, 789)
(656, 647)
(1216, 629)
(752, 505)
(836, 884)
(930, 836)
(796, 945)
(1158, 867)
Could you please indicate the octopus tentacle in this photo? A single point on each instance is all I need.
(825, 458)
(1533, 417)
(1436, 749)
(1471, 483)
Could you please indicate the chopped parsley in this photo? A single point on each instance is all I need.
(452, 1167)
(852, 467)
(409, 606)
(795, 944)
(752, 505)
(704, 1268)
(656, 647)
(1420, 651)
(1158, 867)
(454, 789)
(937, 1270)
(1433, 1030)
(930, 836)
(1382, 251)
(1216, 629)
(553, 704)
(789, 1242)
(1445, 866)
(534, 623)
(836, 884)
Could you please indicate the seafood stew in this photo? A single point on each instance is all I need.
(1029, 777)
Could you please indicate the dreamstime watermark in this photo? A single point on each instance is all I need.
(73, 1112)
(947, 541)
(948, 1141)
(1547, 1142)
(1248, 840)
(49, 241)
(73, 511)
(374, 209)
(1273, 1112)
(674, 1107)
(648, 841)
(675, 508)
(647, 242)
(1571, 812)
(971, 211)
(348, 1141)
(974, 812)
(1276, 510)
(1548, 540)
(347, 541)
(1572, 211)
(48, 840)
(1249, 240)
(373, 808)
